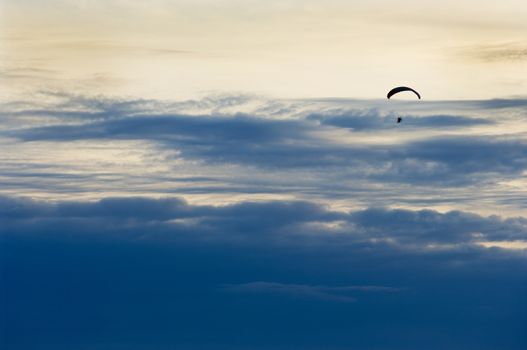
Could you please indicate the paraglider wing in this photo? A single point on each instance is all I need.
(401, 89)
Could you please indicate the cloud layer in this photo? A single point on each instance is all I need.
(239, 222)
(276, 221)
(362, 144)
(121, 271)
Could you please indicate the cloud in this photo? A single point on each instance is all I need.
(25, 73)
(250, 146)
(502, 103)
(506, 52)
(129, 270)
(289, 143)
(282, 222)
(361, 120)
(433, 227)
(246, 140)
(457, 159)
(327, 293)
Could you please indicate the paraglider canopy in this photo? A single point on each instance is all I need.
(401, 89)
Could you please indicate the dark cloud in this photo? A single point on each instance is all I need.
(141, 273)
(246, 140)
(372, 120)
(192, 130)
(430, 226)
(290, 143)
(277, 220)
(457, 160)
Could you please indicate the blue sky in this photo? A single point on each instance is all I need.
(229, 175)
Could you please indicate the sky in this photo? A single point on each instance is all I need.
(230, 175)
(284, 49)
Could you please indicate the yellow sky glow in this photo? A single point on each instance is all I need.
(179, 49)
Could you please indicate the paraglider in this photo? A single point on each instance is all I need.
(401, 89)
